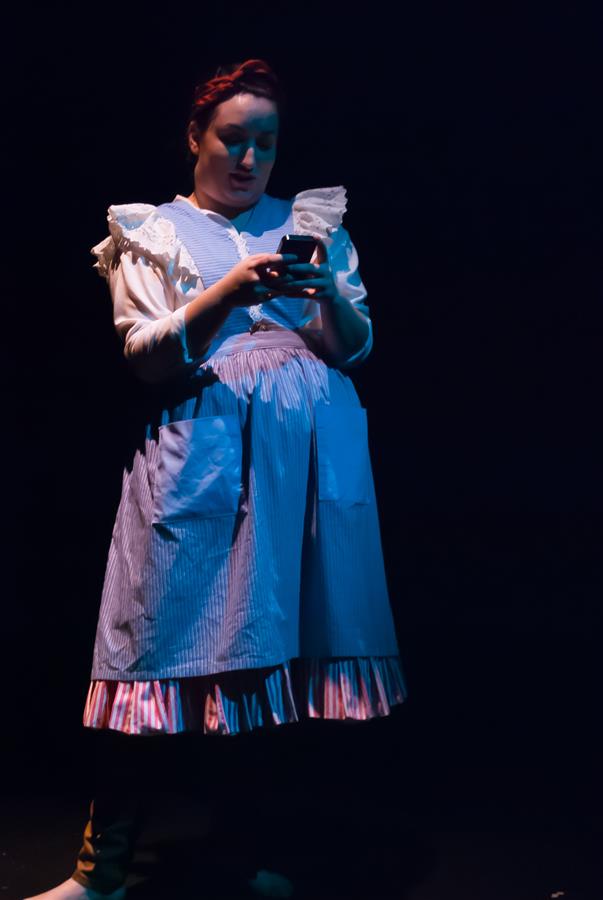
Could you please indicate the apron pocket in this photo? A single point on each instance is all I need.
(342, 452)
(198, 468)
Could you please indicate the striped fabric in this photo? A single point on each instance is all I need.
(245, 581)
(356, 689)
(248, 534)
(216, 249)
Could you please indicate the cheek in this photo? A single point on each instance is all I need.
(218, 156)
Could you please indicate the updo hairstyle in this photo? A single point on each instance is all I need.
(254, 76)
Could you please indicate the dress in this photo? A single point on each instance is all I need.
(245, 584)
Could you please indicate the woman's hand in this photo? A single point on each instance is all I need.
(313, 280)
(251, 280)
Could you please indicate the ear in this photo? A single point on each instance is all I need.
(193, 140)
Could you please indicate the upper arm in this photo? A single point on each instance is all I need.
(140, 292)
(148, 318)
(344, 261)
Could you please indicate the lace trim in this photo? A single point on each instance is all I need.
(355, 688)
(138, 227)
(319, 211)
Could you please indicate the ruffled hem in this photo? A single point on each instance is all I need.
(139, 228)
(354, 688)
(319, 211)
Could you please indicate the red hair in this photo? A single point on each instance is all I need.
(253, 76)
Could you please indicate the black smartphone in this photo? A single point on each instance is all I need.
(303, 245)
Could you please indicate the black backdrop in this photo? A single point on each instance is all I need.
(469, 140)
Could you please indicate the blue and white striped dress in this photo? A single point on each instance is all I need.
(245, 583)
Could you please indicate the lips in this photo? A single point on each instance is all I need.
(241, 180)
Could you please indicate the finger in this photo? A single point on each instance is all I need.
(280, 257)
(306, 282)
(278, 278)
(296, 292)
(283, 258)
(263, 263)
(265, 271)
(273, 276)
(299, 268)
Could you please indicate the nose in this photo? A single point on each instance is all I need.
(249, 160)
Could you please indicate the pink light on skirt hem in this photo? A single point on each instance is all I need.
(228, 703)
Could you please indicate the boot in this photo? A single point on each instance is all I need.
(110, 835)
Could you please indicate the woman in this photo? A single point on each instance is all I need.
(245, 584)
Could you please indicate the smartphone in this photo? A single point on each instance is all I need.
(303, 245)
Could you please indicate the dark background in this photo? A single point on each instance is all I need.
(469, 140)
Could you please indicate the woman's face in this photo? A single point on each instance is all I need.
(240, 139)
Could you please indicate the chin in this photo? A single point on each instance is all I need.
(243, 199)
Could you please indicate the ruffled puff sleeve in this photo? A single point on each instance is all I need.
(149, 272)
(319, 212)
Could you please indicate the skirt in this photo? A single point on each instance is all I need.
(245, 584)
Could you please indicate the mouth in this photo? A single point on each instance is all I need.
(241, 181)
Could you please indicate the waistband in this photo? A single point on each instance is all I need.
(270, 335)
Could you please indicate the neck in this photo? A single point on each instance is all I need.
(200, 199)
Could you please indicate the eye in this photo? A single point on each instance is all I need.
(233, 140)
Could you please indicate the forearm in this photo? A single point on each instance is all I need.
(152, 322)
(345, 330)
(205, 315)
(167, 346)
